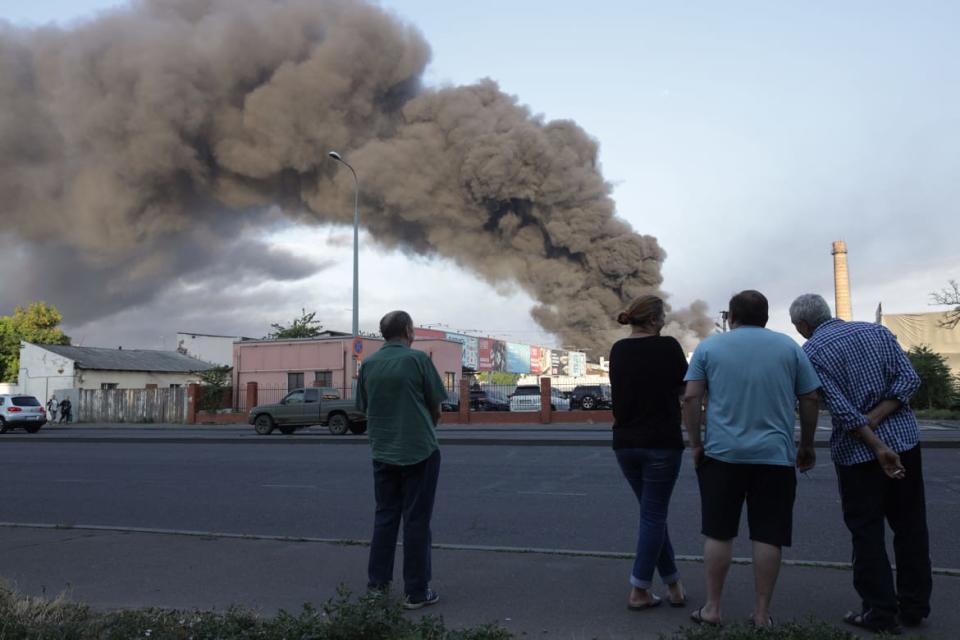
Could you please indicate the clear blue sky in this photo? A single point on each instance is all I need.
(746, 136)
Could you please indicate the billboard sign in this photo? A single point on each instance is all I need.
(518, 358)
(471, 349)
(555, 362)
(578, 364)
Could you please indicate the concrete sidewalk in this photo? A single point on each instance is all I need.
(543, 595)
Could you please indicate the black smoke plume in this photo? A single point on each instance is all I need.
(137, 147)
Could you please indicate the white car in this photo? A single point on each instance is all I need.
(526, 397)
(22, 411)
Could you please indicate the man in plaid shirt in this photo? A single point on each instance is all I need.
(867, 384)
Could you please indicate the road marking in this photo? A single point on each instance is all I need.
(548, 493)
(290, 486)
(578, 553)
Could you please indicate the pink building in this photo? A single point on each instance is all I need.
(325, 362)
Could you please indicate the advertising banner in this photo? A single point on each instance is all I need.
(518, 358)
(498, 356)
(578, 364)
(471, 349)
(555, 362)
(485, 351)
(535, 360)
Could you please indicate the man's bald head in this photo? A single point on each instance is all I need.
(397, 325)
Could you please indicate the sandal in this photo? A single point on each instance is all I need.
(654, 602)
(753, 623)
(865, 621)
(697, 617)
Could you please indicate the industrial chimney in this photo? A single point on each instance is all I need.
(841, 281)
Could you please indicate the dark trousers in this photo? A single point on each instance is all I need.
(869, 497)
(407, 493)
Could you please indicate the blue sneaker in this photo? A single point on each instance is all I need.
(430, 597)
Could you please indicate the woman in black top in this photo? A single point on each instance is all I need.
(646, 377)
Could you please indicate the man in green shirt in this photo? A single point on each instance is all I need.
(401, 391)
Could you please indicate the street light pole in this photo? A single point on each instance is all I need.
(356, 242)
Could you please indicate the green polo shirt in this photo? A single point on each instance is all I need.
(398, 387)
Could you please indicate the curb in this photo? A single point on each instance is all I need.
(349, 542)
(340, 440)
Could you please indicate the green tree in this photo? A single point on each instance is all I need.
(38, 323)
(949, 297)
(214, 383)
(936, 383)
(306, 326)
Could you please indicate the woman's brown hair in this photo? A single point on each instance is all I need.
(642, 310)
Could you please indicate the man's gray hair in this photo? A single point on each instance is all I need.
(395, 325)
(810, 308)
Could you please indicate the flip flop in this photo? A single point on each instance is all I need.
(863, 621)
(697, 617)
(753, 623)
(654, 602)
(677, 604)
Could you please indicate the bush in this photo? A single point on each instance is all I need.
(371, 617)
(937, 386)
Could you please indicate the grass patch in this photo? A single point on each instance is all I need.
(344, 617)
(792, 630)
(370, 617)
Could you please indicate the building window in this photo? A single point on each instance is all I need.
(175, 386)
(450, 380)
(294, 380)
(108, 385)
(323, 378)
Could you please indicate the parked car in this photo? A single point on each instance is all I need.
(21, 411)
(492, 400)
(307, 407)
(591, 396)
(526, 397)
(480, 400)
(452, 403)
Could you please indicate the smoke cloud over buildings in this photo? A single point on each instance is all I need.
(141, 146)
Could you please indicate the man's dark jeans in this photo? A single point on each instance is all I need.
(869, 497)
(405, 492)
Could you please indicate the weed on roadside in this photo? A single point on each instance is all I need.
(792, 630)
(370, 617)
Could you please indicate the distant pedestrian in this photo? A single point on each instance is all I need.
(754, 378)
(401, 391)
(52, 407)
(646, 378)
(867, 383)
(66, 410)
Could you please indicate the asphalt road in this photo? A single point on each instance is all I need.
(526, 496)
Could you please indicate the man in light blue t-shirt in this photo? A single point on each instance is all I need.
(752, 378)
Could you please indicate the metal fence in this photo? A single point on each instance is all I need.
(273, 395)
(526, 397)
(132, 405)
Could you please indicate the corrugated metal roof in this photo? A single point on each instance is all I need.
(99, 359)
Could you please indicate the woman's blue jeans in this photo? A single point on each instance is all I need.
(652, 474)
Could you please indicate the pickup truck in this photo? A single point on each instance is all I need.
(308, 407)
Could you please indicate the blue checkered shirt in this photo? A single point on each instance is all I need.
(860, 364)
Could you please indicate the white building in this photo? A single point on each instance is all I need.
(45, 369)
(208, 347)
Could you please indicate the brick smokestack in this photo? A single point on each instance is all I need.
(841, 281)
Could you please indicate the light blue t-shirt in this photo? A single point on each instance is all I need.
(753, 376)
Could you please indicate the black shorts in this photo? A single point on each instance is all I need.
(769, 491)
